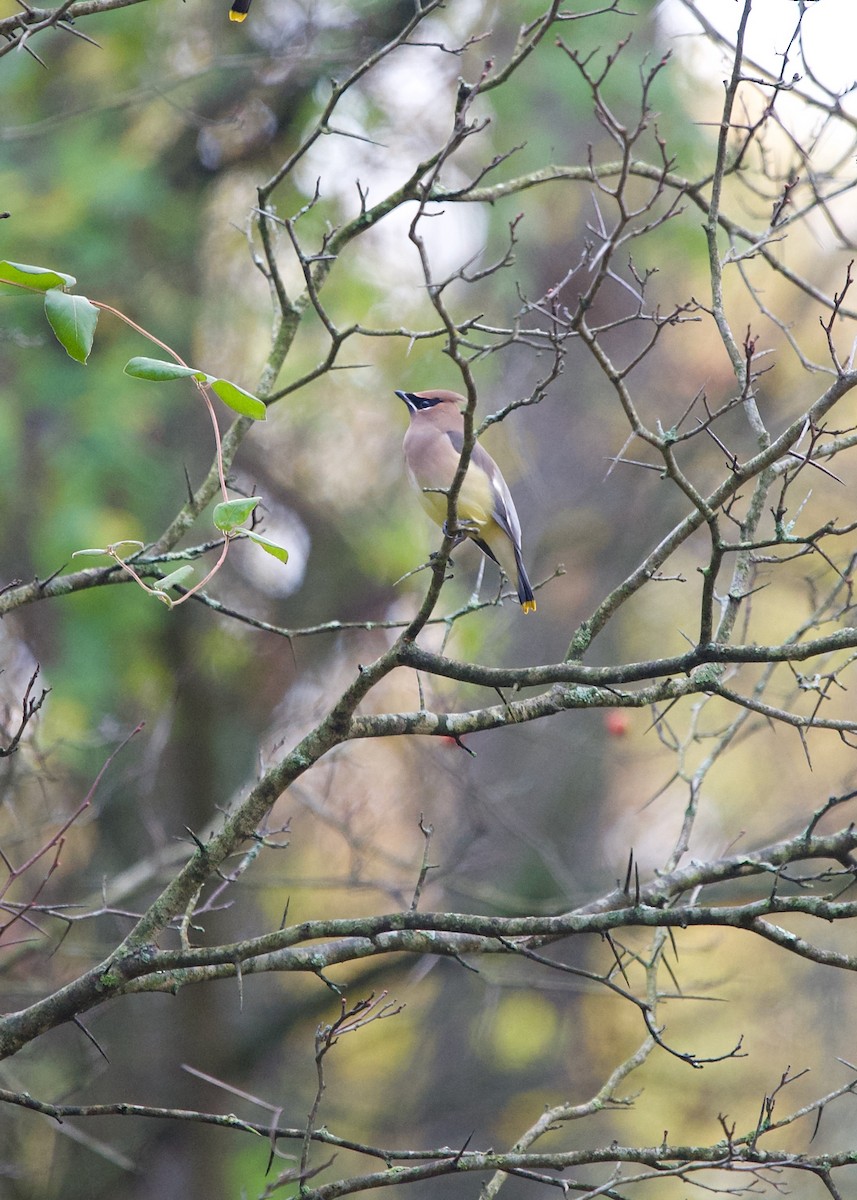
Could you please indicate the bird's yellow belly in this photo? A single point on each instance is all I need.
(474, 503)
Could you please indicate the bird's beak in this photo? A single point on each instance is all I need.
(406, 396)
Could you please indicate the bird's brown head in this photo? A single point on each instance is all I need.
(424, 401)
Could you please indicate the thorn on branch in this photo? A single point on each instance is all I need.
(198, 842)
(817, 1125)
(619, 964)
(626, 887)
(80, 1025)
(460, 1154)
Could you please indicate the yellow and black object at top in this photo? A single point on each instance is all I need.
(239, 10)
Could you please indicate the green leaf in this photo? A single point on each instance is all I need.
(232, 513)
(112, 551)
(159, 371)
(238, 400)
(174, 578)
(232, 395)
(73, 320)
(40, 278)
(268, 546)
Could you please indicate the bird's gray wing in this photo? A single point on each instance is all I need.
(504, 512)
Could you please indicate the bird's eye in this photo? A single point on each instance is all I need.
(428, 401)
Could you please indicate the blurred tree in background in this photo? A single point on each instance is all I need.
(302, 892)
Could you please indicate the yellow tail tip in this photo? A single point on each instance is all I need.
(236, 16)
(528, 606)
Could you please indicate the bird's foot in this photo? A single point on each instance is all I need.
(457, 537)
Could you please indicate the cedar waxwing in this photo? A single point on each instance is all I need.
(486, 512)
(239, 10)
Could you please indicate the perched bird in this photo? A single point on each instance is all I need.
(239, 10)
(486, 512)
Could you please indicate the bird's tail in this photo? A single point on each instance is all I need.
(525, 589)
(501, 556)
